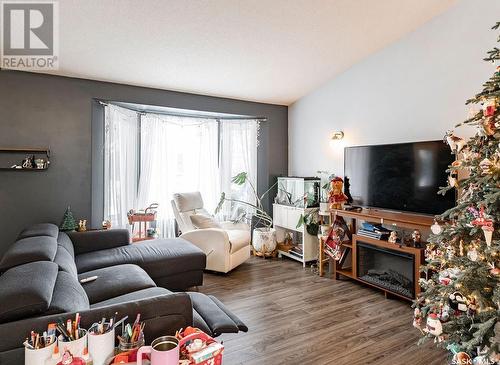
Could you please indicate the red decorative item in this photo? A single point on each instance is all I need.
(336, 197)
(481, 220)
(209, 353)
(490, 110)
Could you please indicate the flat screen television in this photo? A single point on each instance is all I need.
(400, 177)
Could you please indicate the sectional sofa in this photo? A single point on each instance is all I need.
(41, 277)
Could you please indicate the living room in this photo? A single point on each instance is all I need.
(253, 182)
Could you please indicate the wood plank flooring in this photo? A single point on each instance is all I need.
(296, 317)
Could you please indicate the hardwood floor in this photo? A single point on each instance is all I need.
(296, 317)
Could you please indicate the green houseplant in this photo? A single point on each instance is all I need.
(264, 237)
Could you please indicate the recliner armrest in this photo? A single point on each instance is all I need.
(99, 240)
(208, 239)
(229, 226)
(214, 242)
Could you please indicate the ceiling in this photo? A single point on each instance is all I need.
(273, 51)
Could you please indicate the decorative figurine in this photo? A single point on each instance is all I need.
(82, 225)
(40, 163)
(29, 162)
(458, 302)
(393, 237)
(416, 237)
(336, 196)
(106, 224)
(434, 327)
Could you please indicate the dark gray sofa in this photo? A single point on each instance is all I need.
(40, 282)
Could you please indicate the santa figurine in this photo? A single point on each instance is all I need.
(434, 327)
(69, 359)
(336, 196)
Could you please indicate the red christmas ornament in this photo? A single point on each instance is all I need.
(489, 110)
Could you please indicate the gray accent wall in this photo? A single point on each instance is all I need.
(51, 111)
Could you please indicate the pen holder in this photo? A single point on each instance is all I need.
(76, 347)
(101, 346)
(38, 357)
(130, 346)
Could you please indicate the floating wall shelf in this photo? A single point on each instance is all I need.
(45, 152)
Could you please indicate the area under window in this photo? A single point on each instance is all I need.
(149, 156)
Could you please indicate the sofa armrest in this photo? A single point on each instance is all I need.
(214, 242)
(229, 226)
(163, 315)
(99, 240)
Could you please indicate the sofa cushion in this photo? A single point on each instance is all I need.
(91, 241)
(68, 295)
(114, 281)
(238, 239)
(26, 290)
(64, 241)
(133, 297)
(159, 258)
(31, 249)
(65, 261)
(40, 229)
(201, 221)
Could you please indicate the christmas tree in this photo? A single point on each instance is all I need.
(68, 223)
(459, 305)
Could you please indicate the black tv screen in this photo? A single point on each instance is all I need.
(401, 177)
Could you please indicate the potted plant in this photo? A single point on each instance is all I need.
(310, 220)
(264, 236)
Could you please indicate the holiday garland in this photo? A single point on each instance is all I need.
(459, 307)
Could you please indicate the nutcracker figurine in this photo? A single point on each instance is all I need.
(336, 196)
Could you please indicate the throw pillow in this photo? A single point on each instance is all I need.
(201, 221)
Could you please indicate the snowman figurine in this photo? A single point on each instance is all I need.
(434, 327)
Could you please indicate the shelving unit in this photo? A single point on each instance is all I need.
(403, 220)
(27, 151)
(285, 219)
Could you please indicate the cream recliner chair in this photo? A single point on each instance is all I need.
(226, 246)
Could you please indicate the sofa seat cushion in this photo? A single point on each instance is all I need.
(65, 261)
(239, 239)
(30, 249)
(68, 295)
(159, 258)
(63, 240)
(114, 281)
(133, 297)
(40, 229)
(26, 290)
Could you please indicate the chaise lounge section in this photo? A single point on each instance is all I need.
(40, 282)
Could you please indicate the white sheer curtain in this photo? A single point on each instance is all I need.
(238, 153)
(120, 163)
(178, 154)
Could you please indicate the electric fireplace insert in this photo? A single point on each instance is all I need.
(388, 269)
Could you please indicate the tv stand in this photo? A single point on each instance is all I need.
(415, 256)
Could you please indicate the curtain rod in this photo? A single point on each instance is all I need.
(261, 119)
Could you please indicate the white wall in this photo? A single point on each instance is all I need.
(413, 90)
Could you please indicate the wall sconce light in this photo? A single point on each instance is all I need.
(337, 136)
